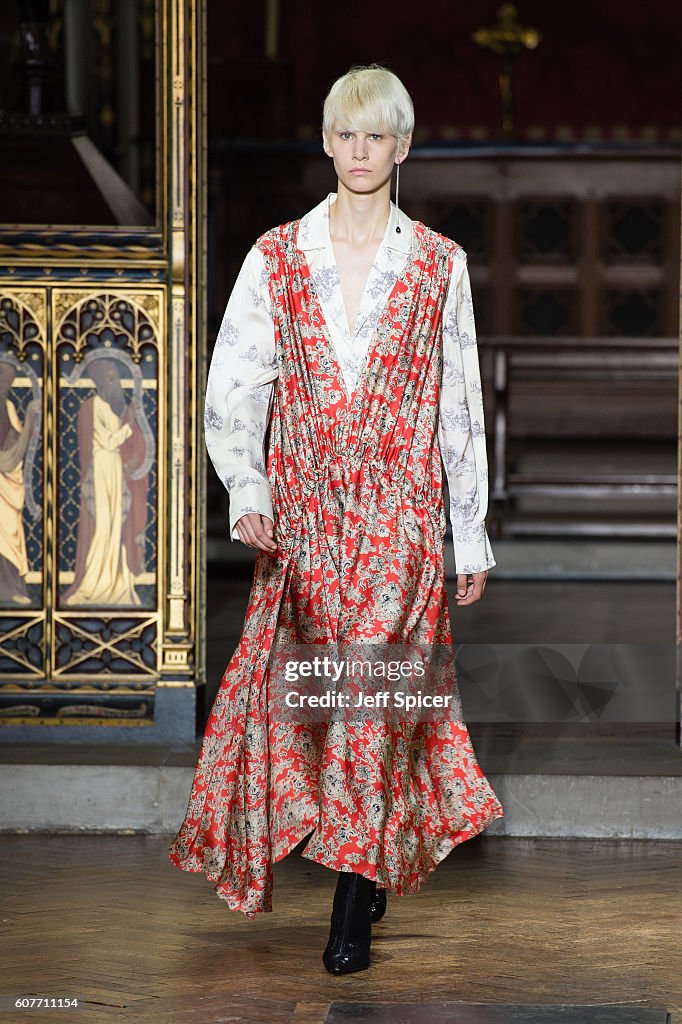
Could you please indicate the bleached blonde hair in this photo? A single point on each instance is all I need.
(369, 99)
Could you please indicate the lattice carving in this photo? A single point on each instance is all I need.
(547, 231)
(547, 311)
(468, 223)
(634, 231)
(22, 646)
(634, 313)
(98, 646)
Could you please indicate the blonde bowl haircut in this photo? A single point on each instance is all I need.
(369, 99)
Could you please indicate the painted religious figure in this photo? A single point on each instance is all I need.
(15, 437)
(112, 454)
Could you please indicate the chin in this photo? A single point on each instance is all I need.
(362, 183)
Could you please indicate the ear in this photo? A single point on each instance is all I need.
(325, 145)
(403, 150)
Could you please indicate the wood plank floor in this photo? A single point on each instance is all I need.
(501, 920)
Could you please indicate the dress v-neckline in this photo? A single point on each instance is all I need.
(373, 346)
(360, 315)
(361, 307)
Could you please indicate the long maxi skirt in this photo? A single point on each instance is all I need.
(360, 525)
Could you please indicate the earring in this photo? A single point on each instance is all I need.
(397, 192)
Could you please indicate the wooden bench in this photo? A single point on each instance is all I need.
(607, 359)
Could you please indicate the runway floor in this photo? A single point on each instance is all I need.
(505, 930)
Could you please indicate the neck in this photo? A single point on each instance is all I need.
(360, 218)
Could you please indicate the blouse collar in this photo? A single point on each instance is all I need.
(313, 231)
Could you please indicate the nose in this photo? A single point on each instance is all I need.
(360, 148)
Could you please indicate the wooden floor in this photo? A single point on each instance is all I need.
(501, 921)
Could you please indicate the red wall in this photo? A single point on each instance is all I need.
(608, 63)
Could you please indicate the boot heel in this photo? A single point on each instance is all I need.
(350, 933)
(377, 906)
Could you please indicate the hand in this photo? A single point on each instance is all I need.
(256, 531)
(32, 411)
(470, 586)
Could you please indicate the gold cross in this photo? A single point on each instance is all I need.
(508, 38)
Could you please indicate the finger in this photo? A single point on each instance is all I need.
(248, 525)
(269, 530)
(263, 537)
(244, 533)
(477, 589)
(255, 531)
(473, 592)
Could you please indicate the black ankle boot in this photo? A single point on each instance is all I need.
(351, 931)
(377, 906)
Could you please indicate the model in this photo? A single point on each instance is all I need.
(350, 333)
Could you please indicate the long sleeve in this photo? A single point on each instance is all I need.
(11, 457)
(461, 429)
(239, 393)
(108, 433)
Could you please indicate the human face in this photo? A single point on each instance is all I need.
(363, 161)
(108, 384)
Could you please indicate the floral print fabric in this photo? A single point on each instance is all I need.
(356, 486)
(244, 369)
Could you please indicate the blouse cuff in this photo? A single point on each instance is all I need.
(251, 494)
(473, 552)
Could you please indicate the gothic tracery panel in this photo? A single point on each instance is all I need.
(108, 471)
(22, 367)
(107, 497)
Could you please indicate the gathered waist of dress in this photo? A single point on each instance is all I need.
(347, 474)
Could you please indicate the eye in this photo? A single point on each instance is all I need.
(344, 135)
(376, 136)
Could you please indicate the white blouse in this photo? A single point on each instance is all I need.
(244, 367)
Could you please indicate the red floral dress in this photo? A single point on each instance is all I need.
(360, 524)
